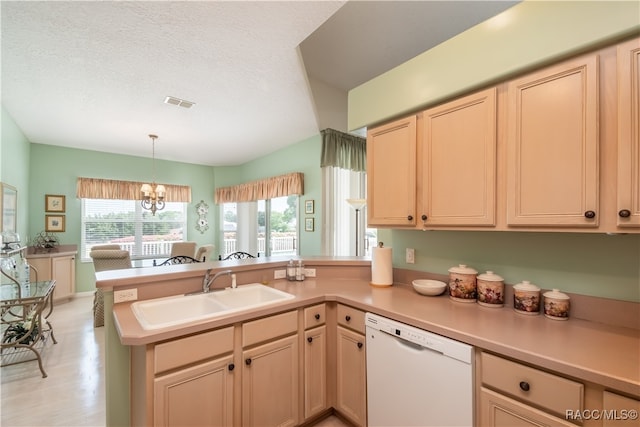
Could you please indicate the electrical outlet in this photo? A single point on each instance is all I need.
(279, 274)
(411, 256)
(125, 295)
(309, 272)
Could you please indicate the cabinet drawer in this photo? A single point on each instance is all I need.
(269, 328)
(314, 316)
(540, 388)
(191, 349)
(351, 318)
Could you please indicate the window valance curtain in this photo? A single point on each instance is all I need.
(96, 188)
(268, 188)
(343, 150)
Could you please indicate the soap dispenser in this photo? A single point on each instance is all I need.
(291, 271)
(300, 271)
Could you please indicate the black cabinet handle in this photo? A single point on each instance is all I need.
(589, 214)
(317, 316)
(231, 366)
(347, 318)
(310, 339)
(524, 386)
(424, 217)
(624, 213)
(359, 345)
(247, 362)
(410, 218)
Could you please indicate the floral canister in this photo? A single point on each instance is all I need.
(526, 298)
(462, 283)
(490, 290)
(556, 305)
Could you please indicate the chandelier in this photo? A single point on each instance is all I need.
(153, 195)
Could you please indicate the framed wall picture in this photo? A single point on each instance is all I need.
(54, 223)
(308, 224)
(308, 207)
(9, 207)
(54, 203)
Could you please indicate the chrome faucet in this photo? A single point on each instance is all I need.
(207, 282)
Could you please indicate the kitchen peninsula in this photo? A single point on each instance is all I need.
(579, 351)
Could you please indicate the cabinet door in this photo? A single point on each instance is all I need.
(43, 268)
(391, 173)
(201, 395)
(497, 410)
(458, 169)
(270, 384)
(351, 393)
(629, 134)
(619, 411)
(315, 371)
(64, 272)
(552, 146)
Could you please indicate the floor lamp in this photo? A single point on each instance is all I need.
(357, 204)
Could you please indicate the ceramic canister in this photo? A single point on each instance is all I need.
(556, 305)
(462, 283)
(526, 298)
(490, 290)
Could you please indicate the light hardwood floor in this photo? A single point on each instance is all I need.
(73, 394)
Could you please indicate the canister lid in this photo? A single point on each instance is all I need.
(526, 286)
(462, 269)
(555, 294)
(490, 276)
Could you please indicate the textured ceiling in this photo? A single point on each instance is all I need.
(94, 75)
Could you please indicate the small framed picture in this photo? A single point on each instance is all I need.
(308, 224)
(54, 203)
(308, 207)
(54, 223)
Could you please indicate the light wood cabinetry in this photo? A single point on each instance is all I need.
(619, 411)
(351, 381)
(628, 203)
(270, 392)
(457, 169)
(193, 382)
(60, 267)
(391, 173)
(552, 146)
(563, 154)
(512, 394)
(315, 361)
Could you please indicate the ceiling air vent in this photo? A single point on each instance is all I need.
(179, 102)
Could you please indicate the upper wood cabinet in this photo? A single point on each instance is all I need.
(457, 173)
(628, 205)
(391, 173)
(552, 146)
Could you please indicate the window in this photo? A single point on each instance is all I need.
(264, 227)
(125, 223)
(340, 232)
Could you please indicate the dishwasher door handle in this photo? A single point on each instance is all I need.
(410, 344)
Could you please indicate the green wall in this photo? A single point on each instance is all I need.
(529, 34)
(589, 264)
(14, 167)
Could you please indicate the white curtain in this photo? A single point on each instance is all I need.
(339, 232)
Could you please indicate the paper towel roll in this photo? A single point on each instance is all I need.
(381, 267)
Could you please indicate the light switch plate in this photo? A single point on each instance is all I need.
(309, 272)
(279, 274)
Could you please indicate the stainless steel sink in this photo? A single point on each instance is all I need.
(172, 311)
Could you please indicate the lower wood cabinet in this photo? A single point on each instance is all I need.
(200, 395)
(351, 364)
(58, 267)
(497, 410)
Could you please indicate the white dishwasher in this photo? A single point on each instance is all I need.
(415, 377)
